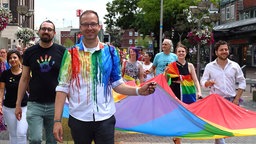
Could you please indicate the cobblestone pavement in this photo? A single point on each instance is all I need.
(125, 138)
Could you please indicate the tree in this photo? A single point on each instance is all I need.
(122, 15)
(116, 37)
(68, 43)
(143, 42)
(144, 15)
(172, 10)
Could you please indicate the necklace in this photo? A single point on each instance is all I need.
(16, 71)
(181, 64)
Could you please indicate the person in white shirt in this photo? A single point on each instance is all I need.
(224, 77)
(88, 73)
(147, 64)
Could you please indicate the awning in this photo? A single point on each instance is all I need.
(231, 25)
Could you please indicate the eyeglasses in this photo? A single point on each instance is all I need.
(93, 25)
(47, 29)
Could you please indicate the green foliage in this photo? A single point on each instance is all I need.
(68, 43)
(115, 35)
(143, 42)
(144, 16)
(122, 14)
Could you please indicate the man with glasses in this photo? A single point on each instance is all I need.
(88, 73)
(162, 59)
(41, 64)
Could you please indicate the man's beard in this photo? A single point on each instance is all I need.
(223, 58)
(46, 39)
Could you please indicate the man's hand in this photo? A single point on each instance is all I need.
(58, 131)
(147, 88)
(209, 83)
(236, 101)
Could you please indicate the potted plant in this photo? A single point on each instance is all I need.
(26, 35)
(5, 18)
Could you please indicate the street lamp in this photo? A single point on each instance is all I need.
(25, 13)
(161, 26)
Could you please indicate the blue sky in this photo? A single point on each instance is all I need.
(63, 12)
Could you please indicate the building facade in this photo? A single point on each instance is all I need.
(238, 27)
(132, 38)
(23, 16)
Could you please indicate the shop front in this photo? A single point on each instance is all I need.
(241, 35)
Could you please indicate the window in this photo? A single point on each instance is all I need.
(223, 15)
(251, 14)
(227, 13)
(130, 33)
(232, 11)
(130, 41)
(6, 5)
(136, 41)
(136, 33)
(246, 15)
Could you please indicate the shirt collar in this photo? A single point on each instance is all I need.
(215, 62)
(97, 48)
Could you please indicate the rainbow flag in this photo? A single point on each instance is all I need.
(187, 85)
(162, 114)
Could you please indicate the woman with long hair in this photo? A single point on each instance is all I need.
(9, 82)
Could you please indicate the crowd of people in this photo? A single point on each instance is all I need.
(35, 85)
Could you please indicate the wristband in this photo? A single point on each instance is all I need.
(137, 91)
(55, 121)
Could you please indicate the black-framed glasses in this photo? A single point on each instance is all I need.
(87, 25)
(47, 29)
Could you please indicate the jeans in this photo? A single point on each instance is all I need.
(102, 132)
(40, 116)
(17, 129)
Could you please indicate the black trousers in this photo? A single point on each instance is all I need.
(101, 132)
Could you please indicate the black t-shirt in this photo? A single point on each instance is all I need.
(11, 88)
(44, 65)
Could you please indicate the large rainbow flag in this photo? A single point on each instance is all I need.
(162, 114)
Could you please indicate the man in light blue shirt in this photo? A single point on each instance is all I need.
(162, 59)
